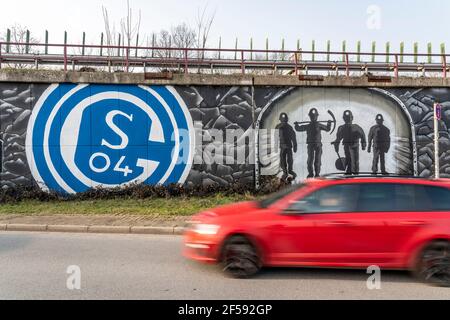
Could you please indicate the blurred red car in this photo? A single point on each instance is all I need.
(391, 222)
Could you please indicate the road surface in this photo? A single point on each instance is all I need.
(34, 266)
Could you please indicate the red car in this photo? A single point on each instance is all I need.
(357, 222)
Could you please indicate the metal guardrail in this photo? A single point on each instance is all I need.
(190, 60)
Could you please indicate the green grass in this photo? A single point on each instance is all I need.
(148, 207)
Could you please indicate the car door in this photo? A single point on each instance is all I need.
(411, 212)
(325, 228)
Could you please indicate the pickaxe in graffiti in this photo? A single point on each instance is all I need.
(334, 122)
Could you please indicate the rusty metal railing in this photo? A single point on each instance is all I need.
(195, 60)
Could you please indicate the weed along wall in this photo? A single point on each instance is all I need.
(72, 137)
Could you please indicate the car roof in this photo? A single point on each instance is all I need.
(365, 178)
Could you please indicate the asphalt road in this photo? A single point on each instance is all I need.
(34, 266)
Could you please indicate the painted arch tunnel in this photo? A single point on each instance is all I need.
(71, 137)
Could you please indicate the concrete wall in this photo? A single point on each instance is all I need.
(69, 137)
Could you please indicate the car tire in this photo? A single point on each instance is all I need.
(240, 258)
(433, 265)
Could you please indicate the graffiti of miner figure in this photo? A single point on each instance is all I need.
(350, 134)
(288, 143)
(380, 138)
(314, 141)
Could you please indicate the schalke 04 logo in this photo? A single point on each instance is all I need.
(86, 136)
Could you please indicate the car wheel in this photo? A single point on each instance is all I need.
(433, 264)
(240, 258)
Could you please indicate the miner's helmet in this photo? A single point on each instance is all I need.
(313, 114)
(284, 117)
(348, 116)
(379, 118)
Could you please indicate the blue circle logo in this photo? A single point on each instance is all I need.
(86, 136)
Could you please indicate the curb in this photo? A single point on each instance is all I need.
(94, 229)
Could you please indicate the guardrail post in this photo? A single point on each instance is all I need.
(83, 44)
(396, 67)
(344, 49)
(46, 42)
(8, 40)
(101, 45)
(444, 60)
(127, 59)
(186, 67)
(358, 49)
(388, 52)
(444, 64)
(65, 57)
(430, 52)
(328, 50)
(137, 45)
(296, 63)
(402, 51)
(153, 44)
(347, 70)
(416, 52)
(27, 46)
(242, 62)
(374, 48)
(118, 46)
(313, 49)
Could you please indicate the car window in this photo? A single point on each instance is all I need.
(376, 197)
(268, 201)
(439, 198)
(392, 197)
(334, 199)
(410, 197)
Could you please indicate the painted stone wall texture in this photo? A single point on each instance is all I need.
(69, 137)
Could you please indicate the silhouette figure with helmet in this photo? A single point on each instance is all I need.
(351, 135)
(313, 131)
(288, 146)
(380, 138)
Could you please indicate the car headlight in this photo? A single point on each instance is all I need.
(206, 229)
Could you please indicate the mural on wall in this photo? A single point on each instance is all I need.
(335, 130)
(69, 137)
(86, 136)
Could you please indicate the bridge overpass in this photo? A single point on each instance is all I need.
(56, 121)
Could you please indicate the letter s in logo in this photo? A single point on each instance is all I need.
(84, 136)
(110, 122)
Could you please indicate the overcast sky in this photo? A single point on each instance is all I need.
(336, 20)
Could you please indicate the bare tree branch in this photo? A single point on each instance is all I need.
(129, 30)
(204, 24)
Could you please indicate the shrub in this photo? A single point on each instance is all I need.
(140, 191)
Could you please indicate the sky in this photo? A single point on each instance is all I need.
(410, 21)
